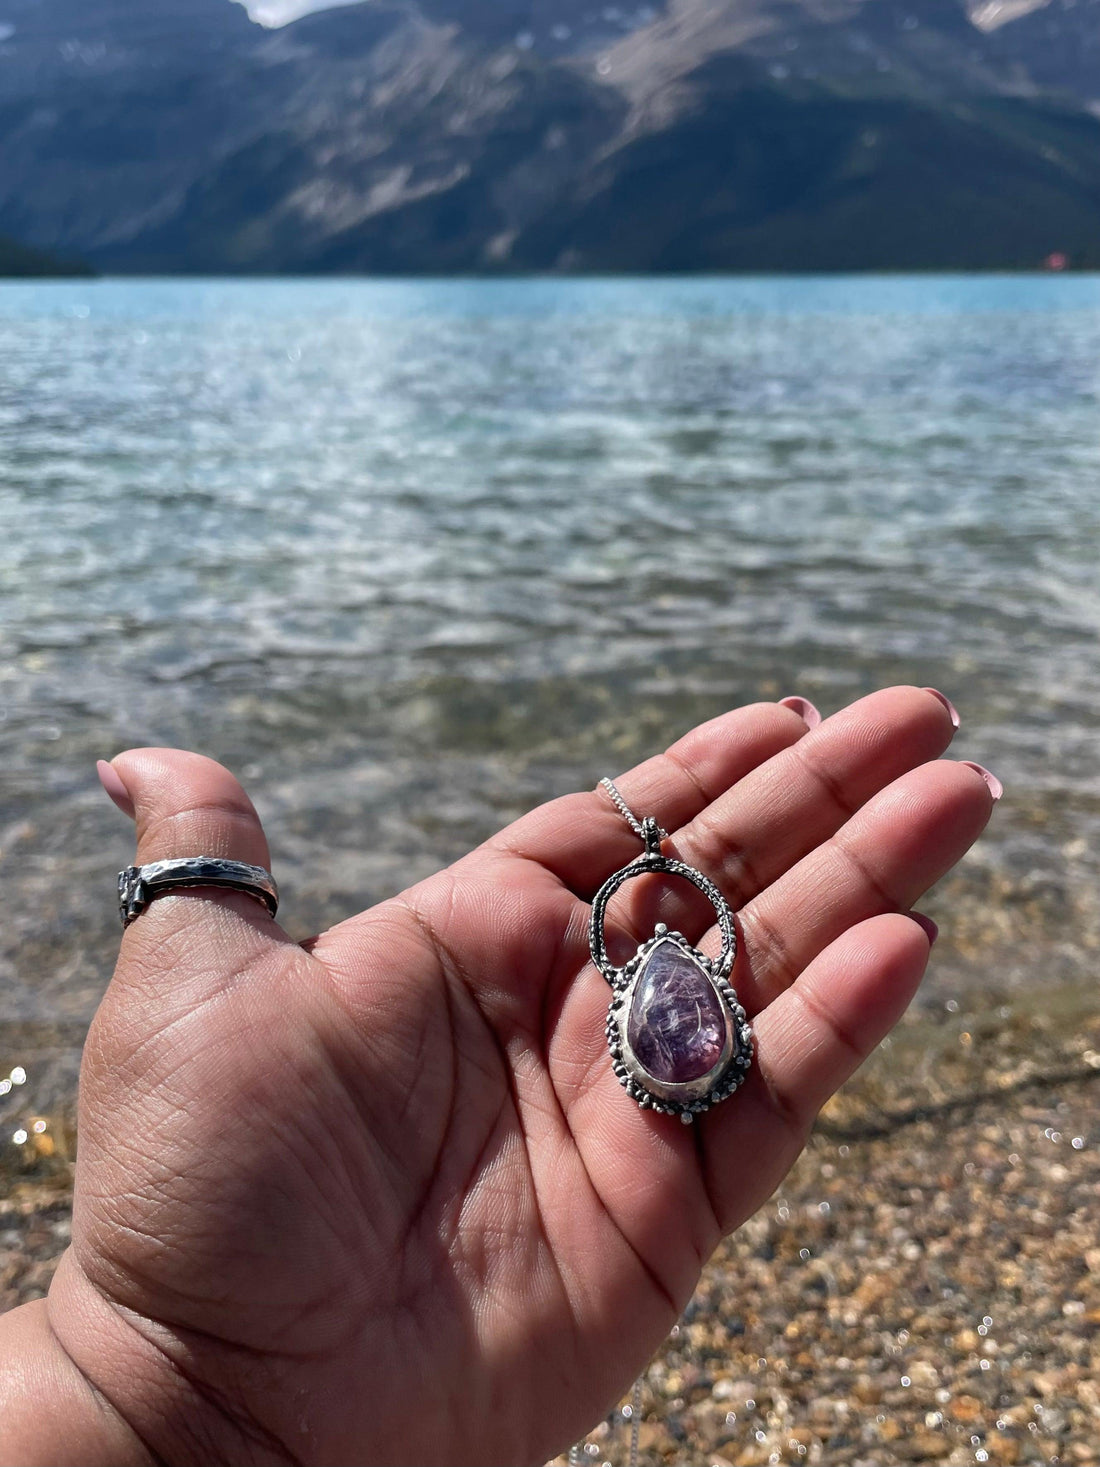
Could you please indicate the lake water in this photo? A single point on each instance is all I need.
(412, 556)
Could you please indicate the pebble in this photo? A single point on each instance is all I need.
(925, 1289)
(950, 1312)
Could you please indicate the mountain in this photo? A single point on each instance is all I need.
(1056, 46)
(488, 135)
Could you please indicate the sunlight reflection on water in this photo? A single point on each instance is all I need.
(411, 556)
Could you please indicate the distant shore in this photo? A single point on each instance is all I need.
(21, 262)
(925, 1287)
(17, 263)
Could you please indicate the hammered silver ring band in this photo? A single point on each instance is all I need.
(139, 885)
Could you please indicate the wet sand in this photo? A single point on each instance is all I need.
(925, 1287)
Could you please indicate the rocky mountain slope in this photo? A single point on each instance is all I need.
(482, 135)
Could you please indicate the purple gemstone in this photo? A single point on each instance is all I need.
(677, 1025)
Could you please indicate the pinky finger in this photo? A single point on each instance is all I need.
(810, 1040)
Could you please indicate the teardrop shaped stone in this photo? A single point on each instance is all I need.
(677, 1024)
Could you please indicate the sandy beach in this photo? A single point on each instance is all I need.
(925, 1287)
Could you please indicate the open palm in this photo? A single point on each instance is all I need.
(379, 1198)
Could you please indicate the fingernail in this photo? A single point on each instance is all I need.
(952, 711)
(804, 708)
(996, 788)
(108, 778)
(928, 927)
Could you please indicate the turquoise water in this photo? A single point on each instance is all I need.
(413, 555)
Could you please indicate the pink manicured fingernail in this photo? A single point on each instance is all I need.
(996, 788)
(804, 708)
(929, 928)
(118, 792)
(952, 711)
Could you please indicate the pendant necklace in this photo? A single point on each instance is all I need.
(679, 1038)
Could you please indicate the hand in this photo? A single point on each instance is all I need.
(378, 1198)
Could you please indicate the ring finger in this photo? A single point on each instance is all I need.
(748, 836)
(882, 860)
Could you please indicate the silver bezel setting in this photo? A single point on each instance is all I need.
(697, 1096)
(690, 1099)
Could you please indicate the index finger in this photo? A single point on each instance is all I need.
(582, 838)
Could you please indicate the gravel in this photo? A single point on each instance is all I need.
(925, 1287)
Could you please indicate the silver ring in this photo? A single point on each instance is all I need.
(139, 885)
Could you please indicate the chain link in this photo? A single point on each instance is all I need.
(635, 1422)
(625, 810)
(577, 1454)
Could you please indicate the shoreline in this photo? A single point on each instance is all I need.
(925, 1286)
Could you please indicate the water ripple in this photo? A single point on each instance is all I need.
(498, 537)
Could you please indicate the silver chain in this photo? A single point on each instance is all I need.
(577, 1455)
(635, 1421)
(625, 810)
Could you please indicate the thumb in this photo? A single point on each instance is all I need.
(199, 1012)
(184, 804)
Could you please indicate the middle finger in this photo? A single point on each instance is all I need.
(784, 809)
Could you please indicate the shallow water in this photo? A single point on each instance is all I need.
(411, 556)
